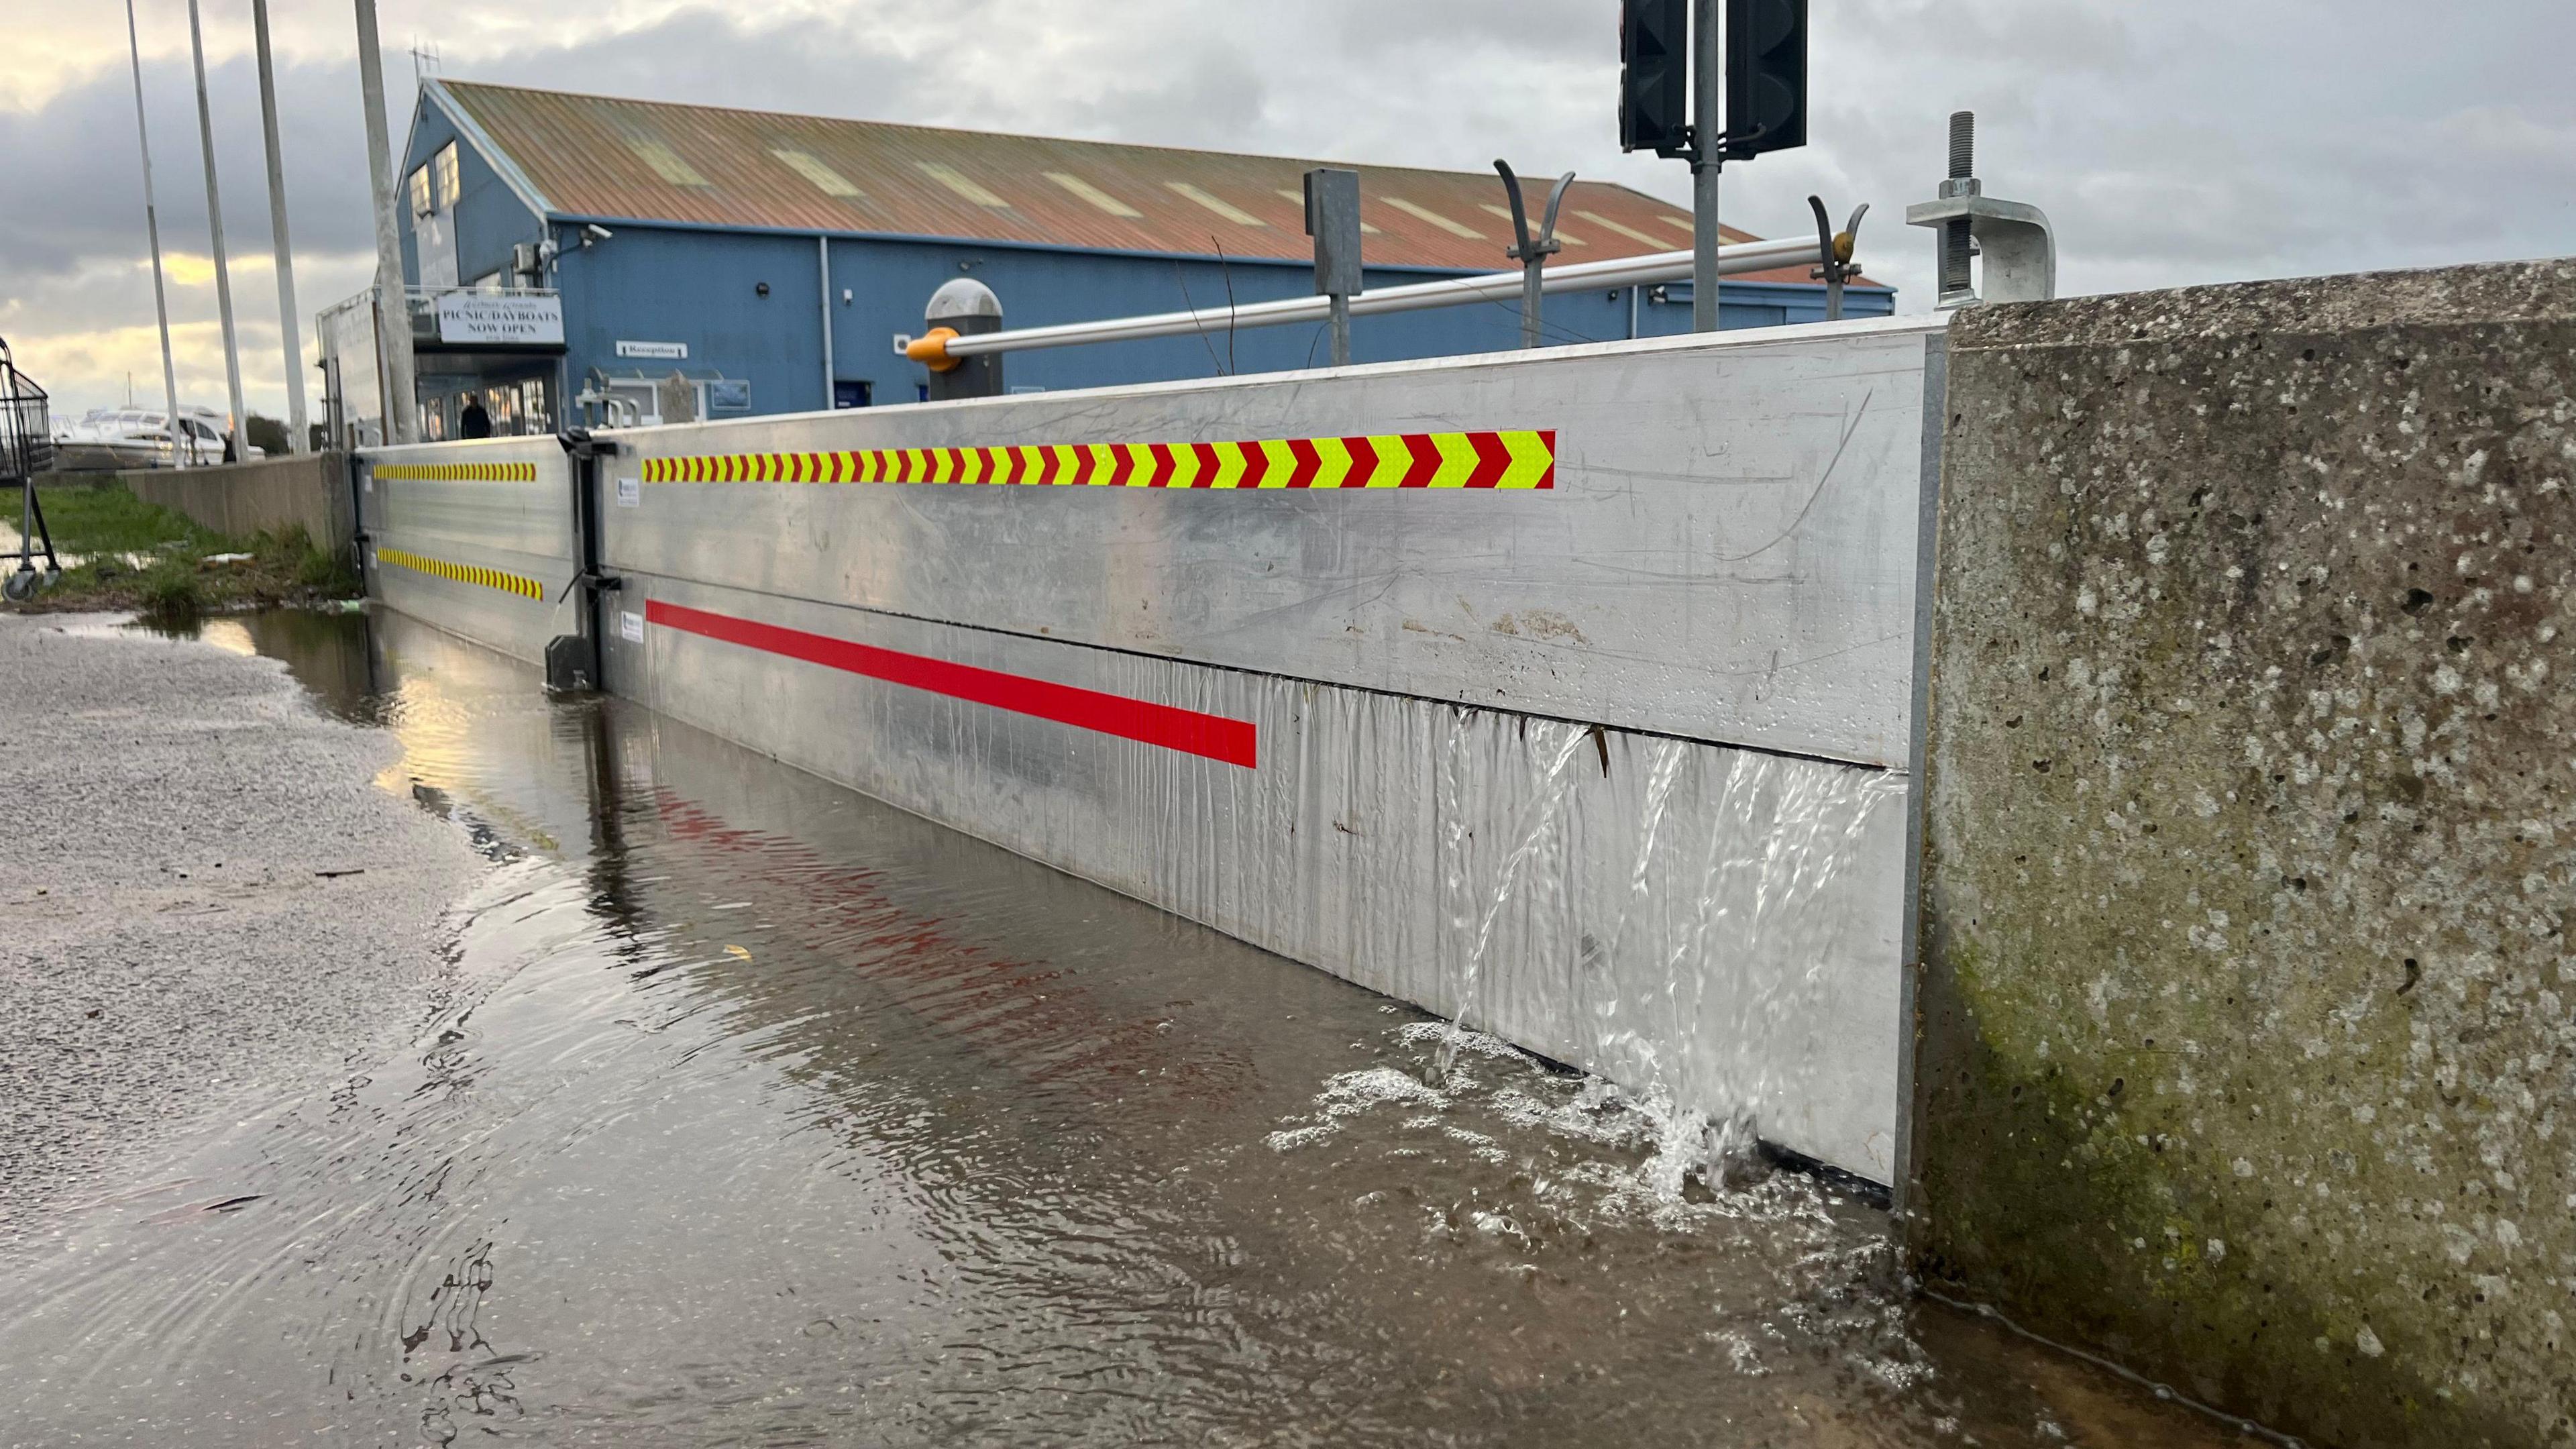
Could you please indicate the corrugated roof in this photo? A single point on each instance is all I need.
(655, 161)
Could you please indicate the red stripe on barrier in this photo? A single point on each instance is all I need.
(1214, 737)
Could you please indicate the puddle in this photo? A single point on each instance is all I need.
(764, 1113)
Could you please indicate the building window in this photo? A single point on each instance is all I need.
(435, 187)
(533, 407)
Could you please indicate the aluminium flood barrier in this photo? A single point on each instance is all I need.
(1573, 690)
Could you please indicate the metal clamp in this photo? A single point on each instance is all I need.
(582, 443)
(2016, 240)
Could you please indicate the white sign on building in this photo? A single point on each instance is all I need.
(487, 317)
(673, 351)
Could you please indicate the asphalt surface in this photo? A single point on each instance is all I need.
(207, 902)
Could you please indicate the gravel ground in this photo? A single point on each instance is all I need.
(207, 899)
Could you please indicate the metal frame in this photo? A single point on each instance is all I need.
(26, 446)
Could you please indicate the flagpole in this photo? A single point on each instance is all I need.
(215, 229)
(152, 228)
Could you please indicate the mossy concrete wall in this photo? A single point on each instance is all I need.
(268, 496)
(2245, 1051)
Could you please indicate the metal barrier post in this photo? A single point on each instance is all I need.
(963, 308)
(573, 660)
(1333, 220)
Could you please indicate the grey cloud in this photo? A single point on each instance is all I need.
(2171, 144)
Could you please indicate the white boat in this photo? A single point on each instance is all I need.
(107, 439)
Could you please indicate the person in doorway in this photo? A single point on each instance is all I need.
(475, 422)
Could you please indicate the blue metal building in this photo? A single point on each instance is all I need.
(672, 261)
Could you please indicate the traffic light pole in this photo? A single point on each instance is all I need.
(1708, 154)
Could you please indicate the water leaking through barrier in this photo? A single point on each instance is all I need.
(1601, 753)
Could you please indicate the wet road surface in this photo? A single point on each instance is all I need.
(760, 1113)
(181, 823)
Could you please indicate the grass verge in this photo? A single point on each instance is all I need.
(170, 569)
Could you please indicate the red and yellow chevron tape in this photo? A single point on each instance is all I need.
(457, 472)
(508, 583)
(1509, 459)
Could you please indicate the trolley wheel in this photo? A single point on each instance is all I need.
(20, 586)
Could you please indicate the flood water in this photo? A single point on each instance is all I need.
(762, 1113)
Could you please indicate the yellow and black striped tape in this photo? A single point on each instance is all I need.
(1511, 459)
(507, 583)
(457, 472)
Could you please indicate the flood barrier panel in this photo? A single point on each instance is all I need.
(477, 538)
(1570, 690)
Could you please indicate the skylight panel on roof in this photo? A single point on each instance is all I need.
(1454, 228)
(1298, 199)
(811, 167)
(1630, 232)
(1681, 224)
(666, 163)
(1230, 212)
(1092, 194)
(1567, 237)
(958, 181)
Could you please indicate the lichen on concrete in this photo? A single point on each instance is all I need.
(2246, 1043)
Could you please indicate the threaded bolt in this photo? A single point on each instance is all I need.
(1957, 237)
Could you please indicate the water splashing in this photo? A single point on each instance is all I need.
(1538, 832)
(1712, 928)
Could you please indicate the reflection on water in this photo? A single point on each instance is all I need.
(764, 1113)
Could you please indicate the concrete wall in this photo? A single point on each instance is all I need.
(263, 497)
(2245, 1049)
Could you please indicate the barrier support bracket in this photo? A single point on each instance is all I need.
(573, 660)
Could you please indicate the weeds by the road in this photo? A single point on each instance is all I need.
(97, 519)
(171, 569)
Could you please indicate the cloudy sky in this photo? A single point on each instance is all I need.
(2177, 143)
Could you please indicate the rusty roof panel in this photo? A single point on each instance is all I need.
(655, 161)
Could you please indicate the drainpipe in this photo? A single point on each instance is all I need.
(823, 263)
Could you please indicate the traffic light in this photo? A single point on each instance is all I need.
(1766, 76)
(1654, 76)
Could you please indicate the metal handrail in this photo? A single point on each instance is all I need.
(1637, 271)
